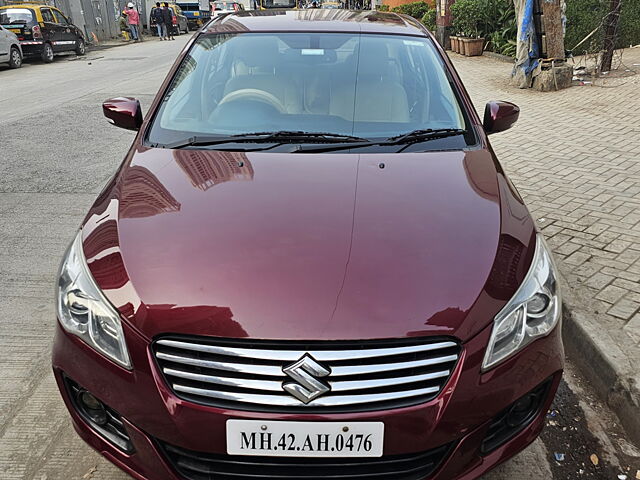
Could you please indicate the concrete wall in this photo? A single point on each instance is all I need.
(98, 18)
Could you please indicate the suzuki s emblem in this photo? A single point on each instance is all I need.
(306, 372)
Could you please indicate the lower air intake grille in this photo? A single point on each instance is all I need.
(306, 377)
(206, 466)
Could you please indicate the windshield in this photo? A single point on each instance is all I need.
(14, 16)
(369, 86)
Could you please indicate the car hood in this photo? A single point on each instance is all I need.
(308, 246)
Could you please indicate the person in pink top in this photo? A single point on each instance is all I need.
(133, 18)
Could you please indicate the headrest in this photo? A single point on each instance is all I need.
(373, 58)
(255, 52)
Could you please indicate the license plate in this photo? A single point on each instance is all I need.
(14, 30)
(304, 439)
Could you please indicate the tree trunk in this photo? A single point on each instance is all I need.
(611, 34)
(554, 32)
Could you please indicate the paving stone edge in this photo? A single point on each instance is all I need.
(599, 359)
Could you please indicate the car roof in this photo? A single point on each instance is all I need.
(317, 20)
(28, 5)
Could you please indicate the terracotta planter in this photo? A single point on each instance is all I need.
(462, 42)
(454, 44)
(459, 45)
(473, 47)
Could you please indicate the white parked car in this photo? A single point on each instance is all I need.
(10, 50)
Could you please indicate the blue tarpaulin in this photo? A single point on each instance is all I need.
(527, 53)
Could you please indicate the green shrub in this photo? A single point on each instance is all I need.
(415, 9)
(493, 20)
(501, 44)
(630, 28)
(429, 19)
(383, 8)
(468, 17)
(583, 16)
(500, 27)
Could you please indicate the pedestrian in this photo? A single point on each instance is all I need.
(124, 27)
(133, 18)
(167, 17)
(158, 18)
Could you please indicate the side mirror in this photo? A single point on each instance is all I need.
(123, 112)
(500, 116)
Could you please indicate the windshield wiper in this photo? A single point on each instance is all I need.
(301, 135)
(260, 137)
(406, 139)
(424, 134)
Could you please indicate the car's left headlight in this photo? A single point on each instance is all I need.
(533, 311)
(84, 311)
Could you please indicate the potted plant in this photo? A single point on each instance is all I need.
(454, 44)
(467, 20)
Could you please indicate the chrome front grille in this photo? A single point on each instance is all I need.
(306, 377)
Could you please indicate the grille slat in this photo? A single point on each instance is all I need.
(288, 401)
(277, 371)
(292, 356)
(249, 375)
(276, 386)
(205, 466)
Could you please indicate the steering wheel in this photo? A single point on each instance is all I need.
(253, 94)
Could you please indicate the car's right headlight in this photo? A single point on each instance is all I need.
(533, 311)
(84, 311)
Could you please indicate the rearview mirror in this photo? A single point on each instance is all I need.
(500, 116)
(123, 112)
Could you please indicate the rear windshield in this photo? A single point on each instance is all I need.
(225, 6)
(371, 86)
(17, 16)
(278, 3)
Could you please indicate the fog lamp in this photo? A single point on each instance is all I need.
(93, 408)
(521, 410)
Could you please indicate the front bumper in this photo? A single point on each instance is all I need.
(195, 23)
(460, 416)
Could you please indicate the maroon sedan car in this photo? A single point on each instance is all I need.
(310, 265)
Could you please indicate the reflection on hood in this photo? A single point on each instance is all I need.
(207, 169)
(144, 195)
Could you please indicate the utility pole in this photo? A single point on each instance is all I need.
(611, 34)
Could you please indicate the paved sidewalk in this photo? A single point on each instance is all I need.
(574, 156)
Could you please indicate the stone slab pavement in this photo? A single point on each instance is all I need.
(574, 156)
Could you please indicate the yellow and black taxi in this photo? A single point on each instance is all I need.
(42, 30)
